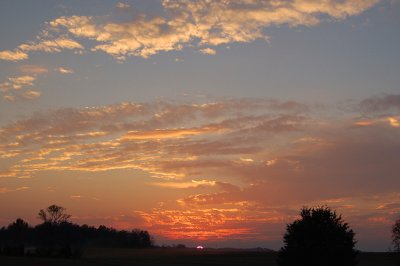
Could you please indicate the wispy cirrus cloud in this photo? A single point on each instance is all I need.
(33, 69)
(204, 24)
(30, 94)
(8, 190)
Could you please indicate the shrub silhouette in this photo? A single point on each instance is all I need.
(396, 236)
(319, 237)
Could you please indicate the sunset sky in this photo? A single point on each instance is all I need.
(204, 122)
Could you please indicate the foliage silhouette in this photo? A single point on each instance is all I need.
(396, 236)
(319, 237)
(57, 237)
(54, 214)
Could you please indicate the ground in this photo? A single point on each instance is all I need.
(153, 257)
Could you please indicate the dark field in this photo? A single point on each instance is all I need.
(153, 257)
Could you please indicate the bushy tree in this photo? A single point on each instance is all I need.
(54, 214)
(396, 236)
(319, 237)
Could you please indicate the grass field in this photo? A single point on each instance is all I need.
(153, 257)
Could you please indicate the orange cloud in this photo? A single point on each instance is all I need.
(30, 94)
(6, 190)
(21, 81)
(188, 23)
(101, 138)
(43, 45)
(394, 122)
(63, 70)
(192, 184)
(18, 83)
(168, 133)
(227, 161)
(9, 98)
(33, 69)
(208, 51)
(214, 224)
(264, 145)
(51, 46)
(13, 55)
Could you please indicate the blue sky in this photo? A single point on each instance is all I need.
(336, 59)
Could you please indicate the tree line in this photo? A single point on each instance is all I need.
(319, 237)
(56, 236)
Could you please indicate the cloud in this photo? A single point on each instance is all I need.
(228, 161)
(148, 136)
(9, 98)
(185, 24)
(52, 45)
(21, 81)
(121, 5)
(33, 69)
(13, 55)
(264, 144)
(275, 152)
(382, 103)
(30, 94)
(17, 83)
(168, 133)
(64, 70)
(201, 224)
(179, 185)
(392, 121)
(13, 87)
(389, 206)
(7, 190)
(208, 51)
(247, 222)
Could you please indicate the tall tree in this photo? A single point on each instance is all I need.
(54, 214)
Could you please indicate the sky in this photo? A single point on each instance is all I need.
(203, 122)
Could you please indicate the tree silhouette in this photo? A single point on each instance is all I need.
(19, 226)
(396, 236)
(54, 214)
(319, 237)
(58, 237)
(17, 234)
